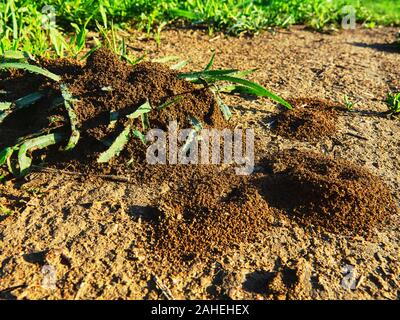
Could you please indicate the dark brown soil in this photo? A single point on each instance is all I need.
(209, 211)
(325, 192)
(311, 120)
(127, 87)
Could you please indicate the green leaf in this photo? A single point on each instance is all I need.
(180, 65)
(114, 115)
(5, 154)
(224, 108)
(169, 103)
(5, 106)
(117, 146)
(30, 68)
(183, 14)
(255, 88)
(210, 63)
(140, 135)
(28, 100)
(20, 103)
(192, 76)
(17, 55)
(145, 121)
(144, 108)
(35, 144)
(4, 210)
(196, 124)
(73, 119)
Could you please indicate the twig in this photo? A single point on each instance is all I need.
(356, 136)
(75, 173)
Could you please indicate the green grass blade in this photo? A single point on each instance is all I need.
(28, 100)
(180, 65)
(169, 103)
(17, 55)
(117, 146)
(38, 143)
(196, 124)
(224, 108)
(193, 76)
(210, 63)
(144, 108)
(183, 14)
(30, 68)
(145, 121)
(73, 119)
(140, 135)
(5, 106)
(114, 115)
(5, 154)
(255, 88)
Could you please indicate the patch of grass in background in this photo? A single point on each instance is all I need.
(21, 20)
(385, 12)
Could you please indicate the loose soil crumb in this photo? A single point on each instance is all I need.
(331, 193)
(311, 120)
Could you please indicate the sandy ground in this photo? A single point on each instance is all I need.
(78, 238)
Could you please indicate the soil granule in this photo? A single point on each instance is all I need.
(310, 120)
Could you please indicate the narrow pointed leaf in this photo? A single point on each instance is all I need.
(139, 135)
(5, 154)
(73, 119)
(5, 106)
(165, 59)
(210, 63)
(38, 143)
(169, 103)
(256, 88)
(224, 108)
(30, 68)
(180, 65)
(144, 108)
(117, 146)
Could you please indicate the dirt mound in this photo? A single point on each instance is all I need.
(324, 192)
(103, 87)
(107, 84)
(310, 120)
(209, 211)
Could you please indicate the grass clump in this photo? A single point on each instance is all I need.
(21, 21)
(348, 104)
(393, 103)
